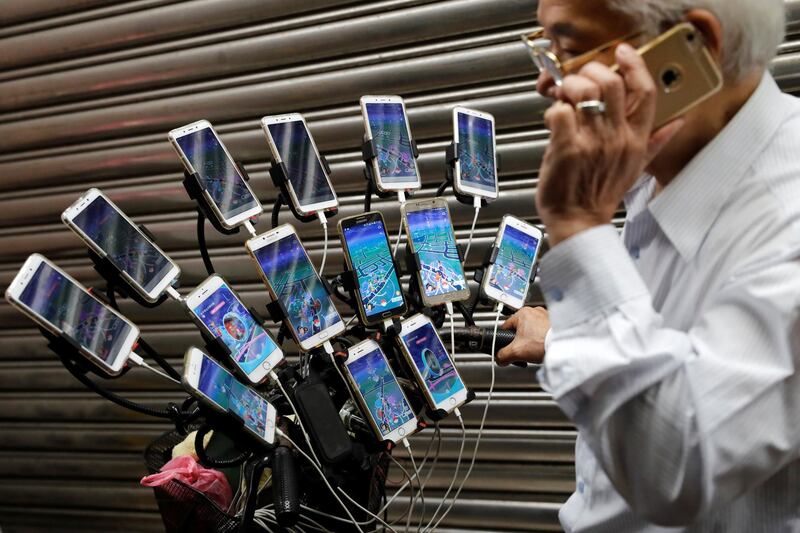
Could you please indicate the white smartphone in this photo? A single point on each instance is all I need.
(379, 394)
(58, 303)
(201, 150)
(290, 142)
(292, 280)
(207, 381)
(430, 231)
(431, 364)
(385, 120)
(476, 166)
(110, 233)
(508, 279)
(221, 313)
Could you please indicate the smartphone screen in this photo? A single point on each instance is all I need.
(218, 172)
(227, 318)
(123, 243)
(215, 382)
(82, 318)
(433, 239)
(305, 171)
(301, 294)
(251, 408)
(389, 128)
(382, 395)
(433, 363)
(511, 271)
(476, 155)
(372, 263)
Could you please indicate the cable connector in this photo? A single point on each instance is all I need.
(250, 228)
(328, 347)
(476, 203)
(173, 293)
(137, 360)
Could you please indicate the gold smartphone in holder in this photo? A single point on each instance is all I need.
(683, 69)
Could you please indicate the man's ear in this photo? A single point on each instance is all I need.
(709, 25)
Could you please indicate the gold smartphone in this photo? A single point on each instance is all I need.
(683, 69)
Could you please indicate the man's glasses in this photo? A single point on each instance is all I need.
(541, 50)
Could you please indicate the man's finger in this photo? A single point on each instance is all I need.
(612, 88)
(562, 122)
(576, 89)
(512, 322)
(507, 355)
(641, 88)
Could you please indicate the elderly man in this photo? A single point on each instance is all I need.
(675, 348)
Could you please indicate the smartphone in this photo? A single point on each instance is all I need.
(109, 233)
(378, 392)
(221, 313)
(385, 120)
(207, 381)
(431, 235)
(292, 281)
(432, 366)
(228, 194)
(508, 279)
(683, 69)
(476, 166)
(290, 142)
(366, 249)
(58, 303)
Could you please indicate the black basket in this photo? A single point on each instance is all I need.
(182, 507)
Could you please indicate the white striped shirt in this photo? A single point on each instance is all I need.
(675, 350)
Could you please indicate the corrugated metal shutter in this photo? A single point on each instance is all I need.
(87, 91)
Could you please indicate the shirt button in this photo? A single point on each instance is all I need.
(556, 295)
(581, 487)
(635, 251)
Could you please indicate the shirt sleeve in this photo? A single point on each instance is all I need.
(681, 422)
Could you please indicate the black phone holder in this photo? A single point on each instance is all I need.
(111, 271)
(438, 415)
(69, 353)
(369, 152)
(451, 156)
(280, 178)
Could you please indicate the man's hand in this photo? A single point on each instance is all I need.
(531, 325)
(594, 159)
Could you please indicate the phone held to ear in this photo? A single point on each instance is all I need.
(683, 69)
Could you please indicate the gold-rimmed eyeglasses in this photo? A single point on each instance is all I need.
(541, 50)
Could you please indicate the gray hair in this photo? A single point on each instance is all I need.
(753, 29)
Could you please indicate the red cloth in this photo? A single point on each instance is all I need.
(185, 468)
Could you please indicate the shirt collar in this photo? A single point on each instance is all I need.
(686, 209)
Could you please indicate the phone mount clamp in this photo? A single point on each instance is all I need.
(69, 353)
(369, 152)
(414, 265)
(195, 188)
(451, 156)
(280, 178)
(111, 271)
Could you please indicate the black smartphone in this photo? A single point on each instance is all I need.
(369, 256)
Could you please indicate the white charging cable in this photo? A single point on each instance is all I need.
(419, 484)
(136, 359)
(457, 412)
(250, 228)
(401, 198)
(477, 205)
(173, 293)
(449, 307)
(324, 221)
(483, 420)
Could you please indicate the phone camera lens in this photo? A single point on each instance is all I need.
(690, 37)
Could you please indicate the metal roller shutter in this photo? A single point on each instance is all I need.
(88, 90)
